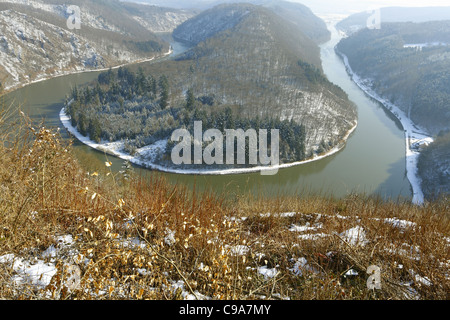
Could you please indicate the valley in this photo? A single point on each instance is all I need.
(404, 66)
(283, 86)
(372, 161)
(223, 150)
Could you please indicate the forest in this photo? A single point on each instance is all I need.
(260, 65)
(133, 107)
(256, 71)
(434, 167)
(409, 64)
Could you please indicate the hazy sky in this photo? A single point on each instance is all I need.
(353, 6)
(320, 7)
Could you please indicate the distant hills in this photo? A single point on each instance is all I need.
(358, 21)
(35, 42)
(296, 13)
(300, 15)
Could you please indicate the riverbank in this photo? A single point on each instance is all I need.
(415, 137)
(20, 85)
(145, 156)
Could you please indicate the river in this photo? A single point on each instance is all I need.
(372, 162)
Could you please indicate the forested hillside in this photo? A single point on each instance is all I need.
(253, 69)
(409, 64)
(434, 167)
(134, 108)
(264, 65)
(296, 13)
(300, 15)
(36, 42)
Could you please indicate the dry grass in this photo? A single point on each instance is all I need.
(404, 253)
(142, 238)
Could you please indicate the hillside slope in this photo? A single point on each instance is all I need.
(407, 64)
(36, 42)
(249, 67)
(266, 65)
(296, 13)
(70, 234)
(158, 18)
(300, 15)
(434, 167)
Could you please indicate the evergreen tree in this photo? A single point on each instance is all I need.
(164, 86)
(95, 130)
(190, 100)
(75, 93)
(120, 73)
(87, 96)
(83, 124)
(121, 104)
(141, 82)
(154, 86)
(106, 77)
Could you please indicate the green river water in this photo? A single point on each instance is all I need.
(372, 162)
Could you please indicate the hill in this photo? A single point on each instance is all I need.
(296, 13)
(265, 64)
(358, 21)
(300, 15)
(407, 64)
(247, 63)
(36, 42)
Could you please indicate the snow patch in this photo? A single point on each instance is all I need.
(301, 266)
(307, 227)
(402, 224)
(355, 236)
(267, 272)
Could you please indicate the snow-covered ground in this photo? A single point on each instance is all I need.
(424, 45)
(39, 270)
(414, 136)
(146, 156)
(90, 19)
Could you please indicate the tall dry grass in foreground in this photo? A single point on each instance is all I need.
(138, 237)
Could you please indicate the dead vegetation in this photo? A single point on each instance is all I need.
(67, 234)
